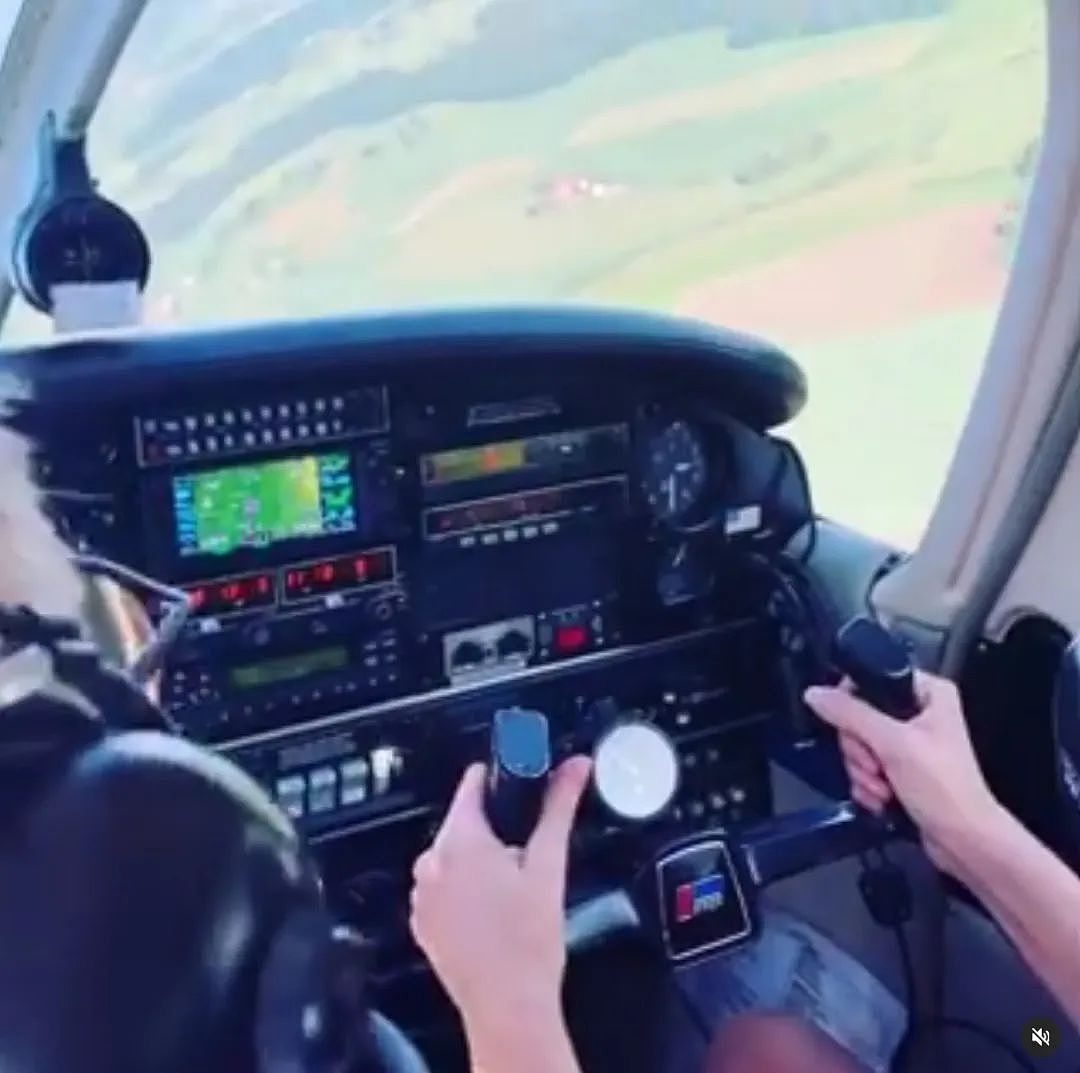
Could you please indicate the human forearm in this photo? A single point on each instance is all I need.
(491, 922)
(929, 764)
(530, 1040)
(1033, 896)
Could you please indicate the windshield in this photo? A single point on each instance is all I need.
(844, 177)
(9, 11)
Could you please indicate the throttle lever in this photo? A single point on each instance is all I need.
(879, 667)
(883, 675)
(518, 773)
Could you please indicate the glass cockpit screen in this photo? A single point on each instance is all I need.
(221, 511)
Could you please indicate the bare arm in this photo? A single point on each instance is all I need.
(1032, 895)
(525, 1041)
(930, 766)
(490, 919)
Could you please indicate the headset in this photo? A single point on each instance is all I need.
(157, 911)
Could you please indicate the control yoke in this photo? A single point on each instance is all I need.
(699, 896)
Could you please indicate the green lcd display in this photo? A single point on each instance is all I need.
(289, 668)
(220, 511)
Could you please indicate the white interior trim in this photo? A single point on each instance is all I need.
(1032, 346)
(1047, 579)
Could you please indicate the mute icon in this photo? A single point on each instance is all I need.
(1041, 1038)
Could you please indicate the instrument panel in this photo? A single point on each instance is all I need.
(384, 544)
(377, 557)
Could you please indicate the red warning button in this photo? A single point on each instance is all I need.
(569, 639)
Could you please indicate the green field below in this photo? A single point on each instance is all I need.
(886, 411)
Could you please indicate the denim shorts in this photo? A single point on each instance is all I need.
(794, 969)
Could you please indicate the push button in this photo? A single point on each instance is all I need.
(571, 639)
(322, 790)
(386, 765)
(291, 794)
(354, 781)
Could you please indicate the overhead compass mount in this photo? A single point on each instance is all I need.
(70, 236)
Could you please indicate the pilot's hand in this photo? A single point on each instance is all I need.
(927, 762)
(489, 916)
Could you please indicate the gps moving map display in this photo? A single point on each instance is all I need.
(220, 511)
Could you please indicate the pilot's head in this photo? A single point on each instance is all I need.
(158, 914)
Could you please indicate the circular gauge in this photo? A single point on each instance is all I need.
(675, 472)
(636, 771)
(684, 575)
(80, 239)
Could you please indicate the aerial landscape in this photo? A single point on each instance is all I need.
(844, 177)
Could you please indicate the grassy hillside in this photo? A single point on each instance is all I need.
(851, 195)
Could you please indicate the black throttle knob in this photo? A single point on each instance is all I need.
(879, 667)
(518, 773)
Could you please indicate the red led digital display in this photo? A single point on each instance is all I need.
(486, 512)
(607, 494)
(339, 575)
(232, 594)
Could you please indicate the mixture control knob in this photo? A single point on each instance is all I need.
(636, 771)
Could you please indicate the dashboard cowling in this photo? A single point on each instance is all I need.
(758, 383)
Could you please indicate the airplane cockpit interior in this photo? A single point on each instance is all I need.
(442, 382)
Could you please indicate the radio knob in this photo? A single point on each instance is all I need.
(259, 635)
(381, 610)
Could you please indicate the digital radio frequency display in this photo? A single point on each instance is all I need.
(232, 594)
(339, 575)
(289, 668)
(606, 496)
(583, 450)
(254, 506)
